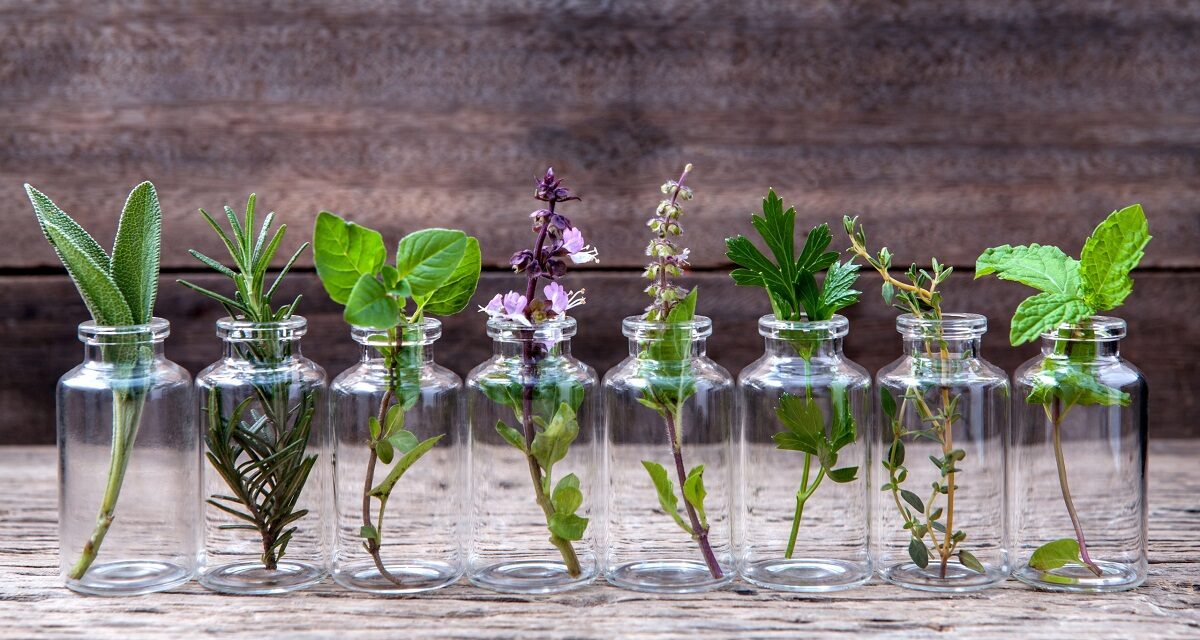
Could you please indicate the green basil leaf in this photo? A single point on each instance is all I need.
(666, 492)
(369, 305)
(343, 252)
(454, 295)
(427, 259)
(551, 444)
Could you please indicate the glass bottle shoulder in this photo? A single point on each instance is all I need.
(549, 369)
(908, 371)
(365, 377)
(161, 375)
(1115, 372)
(634, 373)
(229, 373)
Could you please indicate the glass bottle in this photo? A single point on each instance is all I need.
(667, 460)
(939, 519)
(267, 481)
(1078, 449)
(422, 527)
(530, 533)
(127, 509)
(803, 521)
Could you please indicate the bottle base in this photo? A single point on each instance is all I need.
(413, 577)
(959, 579)
(130, 578)
(666, 576)
(530, 576)
(1115, 576)
(801, 575)
(252, 578)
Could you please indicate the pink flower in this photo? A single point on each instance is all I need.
(561, 300)
(579, 250)
(510, 306)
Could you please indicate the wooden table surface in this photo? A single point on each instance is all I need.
(34, 605)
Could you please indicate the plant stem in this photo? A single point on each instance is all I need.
(127, 417)
(1056, 419)
(373, 544)
(806, 491)
(701, 533)
(947, 447)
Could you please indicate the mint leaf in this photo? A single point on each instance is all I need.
(369, 305)
(343, 252)
(135, 255)
(427, 259)
(1044, 312)
(1044, 268)
(666, 492)
(1072, 384)
(1112, 251)
(1053, 555)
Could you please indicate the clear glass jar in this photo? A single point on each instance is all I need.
(421, 531)
(127, 519)
(1078, 449)
(530, 404)
(803, 521)
(266, 524)
(668, 414)
(939, 514)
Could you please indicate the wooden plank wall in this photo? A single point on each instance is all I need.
(948, 127)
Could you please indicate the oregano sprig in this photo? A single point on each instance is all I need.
(796, 296)
(1072, 291)
(118, 291)
(436, 271)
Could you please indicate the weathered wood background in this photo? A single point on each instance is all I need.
(949, 127)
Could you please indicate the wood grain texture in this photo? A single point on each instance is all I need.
(954, 126)
(33, 605)
(39, 315)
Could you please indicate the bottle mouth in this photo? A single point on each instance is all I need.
(234, 330)
(1093, 329)
(771, 327)
(423, 333)
(951, 326)
(156, 330)
(638, 328)
(553, 330)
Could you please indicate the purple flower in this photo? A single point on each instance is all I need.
(560, 299)
(524, 261)
(577, 248)
(510, 306)
(550, 189)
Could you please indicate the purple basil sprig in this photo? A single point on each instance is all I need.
(559, 244)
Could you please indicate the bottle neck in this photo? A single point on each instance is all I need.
(1081, 349)
(98, 354)
(520, 348)
(376, 354)
(807, 348)
(697, 348)
(933, 348)
(262, 352)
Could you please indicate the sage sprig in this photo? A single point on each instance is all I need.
(436, 271)
(118, 291)
(796, 296)
(1072, 291)
(260, 448)
(921, 297)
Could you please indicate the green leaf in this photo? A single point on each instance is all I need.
(384, 450)
(1044, 268)
(918, 553)
(376, 429)
(136, 251)
(675, 343)
(510, 435)
(369, 532)
(913, 499)
(393, 420)
(845, 430)
(1043, 312)
(567, 498)
(666, 492)
(1072, 384)
(384, 489)
(968, 560)
(403, 441)
(1053, 555)
(568, 526)
(837, 291)
(454, 295)
(343, 252)
(86, 262)
(551, 444)
(369, 305)
(806, 426)
(843, 475)
(428, 258)
(888, 403)
(1112, 251)
(694, 492)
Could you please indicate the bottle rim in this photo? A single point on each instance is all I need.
(236, 330)
(951, 326)
(156, 330)
(430, 329)
(638, 328)
(1093, 329)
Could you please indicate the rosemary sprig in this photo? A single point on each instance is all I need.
(260, 454)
